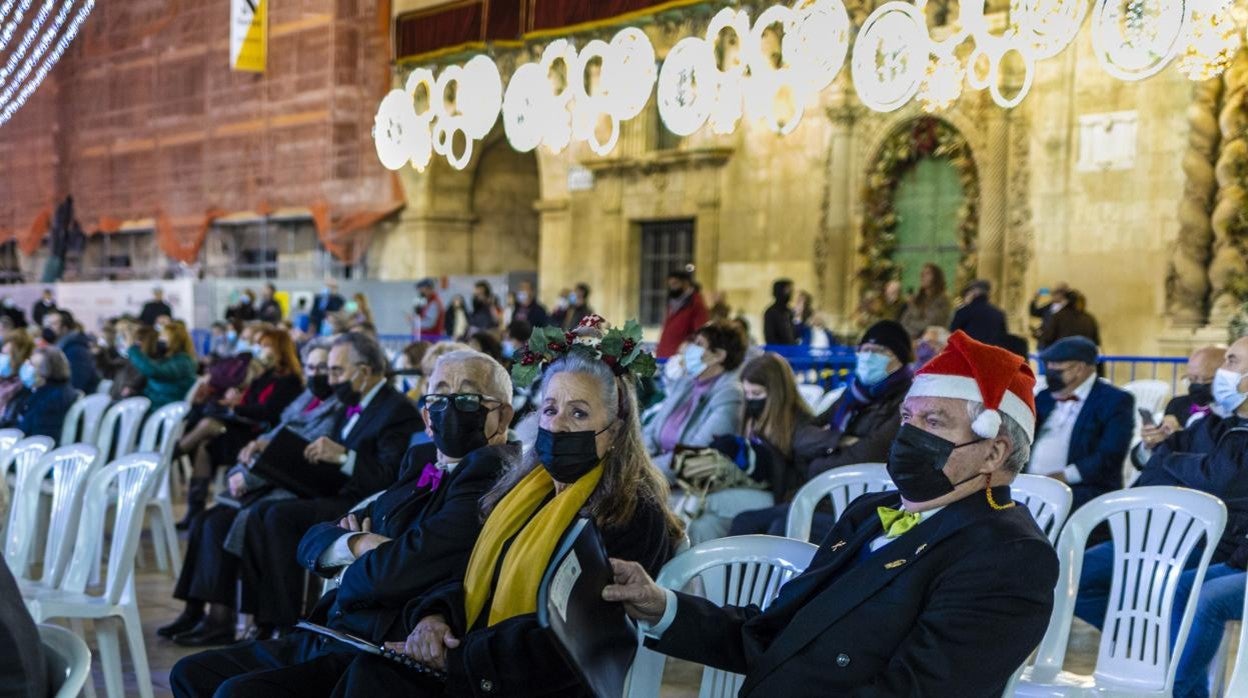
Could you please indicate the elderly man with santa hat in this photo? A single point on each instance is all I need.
(942, 588)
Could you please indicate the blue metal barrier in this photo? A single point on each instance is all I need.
(1121, 370)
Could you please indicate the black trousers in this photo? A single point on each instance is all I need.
(302, 664)
(273, 581)
(773, 521)
(209, 573)
(374, 676)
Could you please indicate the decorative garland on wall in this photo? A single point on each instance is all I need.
(922, 138)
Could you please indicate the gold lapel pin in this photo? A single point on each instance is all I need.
(894, 564)
(921, 549)
(838, 545)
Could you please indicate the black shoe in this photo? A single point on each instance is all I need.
(206, 633)
(187, 621)
(257, 632)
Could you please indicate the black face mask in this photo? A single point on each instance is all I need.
(457, 433)
(347, 394)
(320, 388)
(916, 463)
(162, 347)
(49, 336)
(754, 408)
(1055, 381)
(675, 293)
(567, 455)
(1201, 393)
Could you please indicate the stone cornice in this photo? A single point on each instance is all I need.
(660, 161)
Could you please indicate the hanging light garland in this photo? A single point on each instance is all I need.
(771, 69)
(16, 76)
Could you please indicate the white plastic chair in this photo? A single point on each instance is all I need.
(19, 535)
(738, 571)
(812, 393)
(71, 467)
(161, 433)
(1151, 395)
(82, 421)
(1048, 499)
(105, 387)
(8, 439)
(1042, 383)
(119, 430)
(842, 485)
(68, 659)
(1155, 530)
(134, 477)
(829, 399)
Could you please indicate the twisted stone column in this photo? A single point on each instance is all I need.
(1187, 281)
(1230, 227)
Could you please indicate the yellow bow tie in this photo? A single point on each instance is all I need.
(896, 521)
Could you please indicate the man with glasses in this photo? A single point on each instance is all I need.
(415, 535)
(367, 444)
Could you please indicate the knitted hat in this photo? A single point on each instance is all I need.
(892, 336)
(974, 371)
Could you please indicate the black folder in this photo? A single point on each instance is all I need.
(282, 463)
(370, 648)
(595, 636)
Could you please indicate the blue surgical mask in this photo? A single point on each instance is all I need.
(1226, 393)
(231, 337)
(6, 366)
(872, 368)
(509, 350)
(27, 374)
(694, 364)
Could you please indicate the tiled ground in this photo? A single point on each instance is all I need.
(158, 607)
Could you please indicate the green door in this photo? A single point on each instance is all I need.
(926, 202)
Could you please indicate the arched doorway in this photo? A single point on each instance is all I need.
(926, 203)
(505, 233)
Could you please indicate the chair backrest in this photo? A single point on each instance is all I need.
(1049, 501)
(68, 659)
(738, 571)
(1155, 530)
(829, 398)
(1150, 394)
(842, 485)
(19, 535)
(119, 429)
(71, 467)
(105, 387)
(161, 433)
(134, 476)
(812, 393)
(8, 439)
(82, 421)
(1238, 685)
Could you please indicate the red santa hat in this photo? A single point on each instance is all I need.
(974, 371)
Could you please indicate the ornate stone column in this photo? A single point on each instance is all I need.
(836, 244)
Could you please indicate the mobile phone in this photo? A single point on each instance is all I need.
(1146, 415)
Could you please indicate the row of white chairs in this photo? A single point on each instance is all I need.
(1155, 529)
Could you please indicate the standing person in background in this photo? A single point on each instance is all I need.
(156, 307)
(578, 307)
(46, 304)
(170, 372)
(978, 317)
(269, 310)
(430, 315)
(778, 329)
(803, 311)
(686, 312)
(485, 313)
(457, 324)
(527, 308)
(327, 301)
(930, 305)
(363, 312)
(244, 310)
(1070, 319)
(63, 331)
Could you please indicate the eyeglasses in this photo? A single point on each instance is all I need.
(318, 369)
(337, 372)
(464, 402)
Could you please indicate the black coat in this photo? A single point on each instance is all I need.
(951, 608)
(23, 668)
(379, 440)
(982, 320)
(1068, 322)
(874, 426)
(778, 326)
(152, 310)
(432, 536)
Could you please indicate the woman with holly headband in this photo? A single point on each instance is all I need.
(588, 460)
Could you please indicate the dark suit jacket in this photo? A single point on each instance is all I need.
(982, 320)
(1068, 322)
(432, 536)
(951, 608)
(23, 668)
(322, 306)
(379, 440)
(152, 310)
(1100, 440)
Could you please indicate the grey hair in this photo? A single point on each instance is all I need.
(497, 384)
(55, 367)
(366, 350)
(311, 346)
(1020, 444)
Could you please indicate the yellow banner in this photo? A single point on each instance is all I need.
(249, 35)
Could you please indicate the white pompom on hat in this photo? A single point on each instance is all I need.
(969, 370)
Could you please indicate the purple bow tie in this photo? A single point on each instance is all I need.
(353, 411)
(430, 477)
(1197, 409)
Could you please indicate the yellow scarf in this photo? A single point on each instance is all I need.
(528, 556)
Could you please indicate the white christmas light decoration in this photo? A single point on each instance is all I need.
(526, 104)
(686, 86)
(557, 126)
(816, 41)
(14, 98)
(589, 108)
(630, 73)
(1135, 39)
(394, 125)
(728, 101)
(32, 31)
(1212, 39)
(6, 34)
(942, 84)
(480, 96)
(775, 94)
(890, 56)
(1047, 27)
